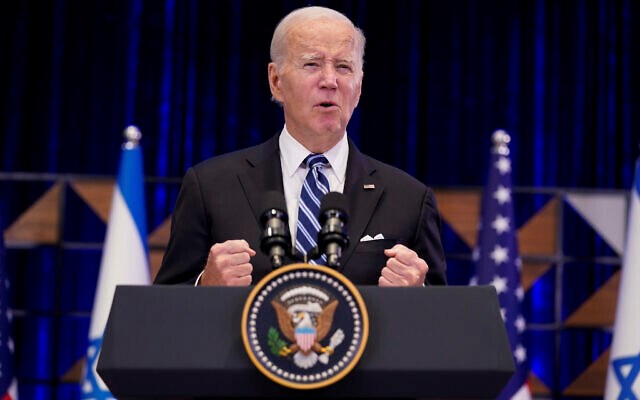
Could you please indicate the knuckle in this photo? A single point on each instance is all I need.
(216, 249)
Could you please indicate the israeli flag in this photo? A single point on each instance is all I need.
(623, 376)
(124, 257)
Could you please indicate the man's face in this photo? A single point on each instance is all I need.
(320, 81)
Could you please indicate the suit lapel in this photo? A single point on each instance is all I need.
(263, 173)
(362, 189)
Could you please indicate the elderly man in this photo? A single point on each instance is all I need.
(315, 74)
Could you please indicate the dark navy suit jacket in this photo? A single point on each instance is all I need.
(220, 199)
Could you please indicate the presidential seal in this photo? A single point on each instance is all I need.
(305, 326)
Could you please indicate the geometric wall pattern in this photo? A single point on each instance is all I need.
(539, 248)
(570, 244)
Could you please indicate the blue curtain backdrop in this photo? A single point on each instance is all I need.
(440, 76)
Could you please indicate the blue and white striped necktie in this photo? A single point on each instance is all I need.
(314, 188)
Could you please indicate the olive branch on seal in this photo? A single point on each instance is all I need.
(275, 343)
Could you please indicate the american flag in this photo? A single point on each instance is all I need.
(8, 384)
(497, 260)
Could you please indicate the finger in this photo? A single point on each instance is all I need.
(420, 266)
(396, 266)
(403, 254)
(393, 278)
(231, 276)
(393, 250)
(242, 245)
(232, 260)
(237, 270)
(240, 281)
(224, 261)
(232, 246)
(384, 282)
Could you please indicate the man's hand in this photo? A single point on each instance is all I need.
(228, 264)
(403, 268)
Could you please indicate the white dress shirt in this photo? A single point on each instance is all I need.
(292, 155)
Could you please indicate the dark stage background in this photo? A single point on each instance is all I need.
(440, 76)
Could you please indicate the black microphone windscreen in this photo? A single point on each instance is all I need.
(333, 201)
(273, 200)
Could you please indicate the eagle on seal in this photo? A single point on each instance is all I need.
(305, 330)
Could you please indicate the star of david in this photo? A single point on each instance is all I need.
(626, 382)
(93, 386)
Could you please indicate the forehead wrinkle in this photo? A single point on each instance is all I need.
(307, 37)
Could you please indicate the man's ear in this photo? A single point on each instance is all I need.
(359, 90)
(274, 82)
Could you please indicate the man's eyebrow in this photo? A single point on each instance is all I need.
(310, 57)
(314, 57)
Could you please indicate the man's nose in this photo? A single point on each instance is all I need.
(329, 77)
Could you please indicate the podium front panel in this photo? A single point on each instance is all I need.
(185, 342)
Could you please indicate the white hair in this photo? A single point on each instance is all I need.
(279, 40)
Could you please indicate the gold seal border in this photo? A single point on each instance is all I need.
(356, 295)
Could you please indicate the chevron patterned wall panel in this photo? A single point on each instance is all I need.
(570, 243)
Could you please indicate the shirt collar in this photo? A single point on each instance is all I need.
(293, 154)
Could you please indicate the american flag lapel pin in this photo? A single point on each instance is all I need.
(369, 186)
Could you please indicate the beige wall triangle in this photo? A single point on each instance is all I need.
(538, 388)
(40, 223)
(461, 210)
(599, 310)
(531, 272)
(155, 260)
(593, 380)
(160, 236)
(97, 194)
(158, 240)
(538, 236)
(74, 374)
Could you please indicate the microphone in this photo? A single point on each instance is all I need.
(332, 238)
(275, 240)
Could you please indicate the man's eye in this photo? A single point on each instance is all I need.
(344, 68)
(311, 64)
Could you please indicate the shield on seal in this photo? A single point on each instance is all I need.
(305, 337)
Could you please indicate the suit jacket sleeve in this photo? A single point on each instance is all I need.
(428, 243)
(189, 244)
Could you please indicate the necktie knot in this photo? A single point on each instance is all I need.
(316, 160)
